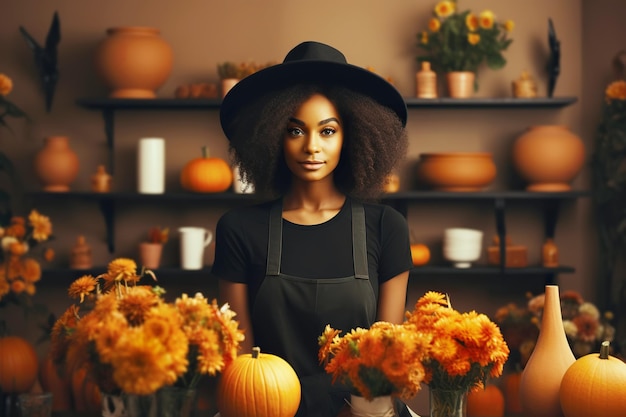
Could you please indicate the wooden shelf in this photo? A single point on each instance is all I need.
(493, 103)
(411, 102)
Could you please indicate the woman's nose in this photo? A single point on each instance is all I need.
(312, 144)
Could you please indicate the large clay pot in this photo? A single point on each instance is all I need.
(552, 356)
(56, 164)
(456, 171)
(548, 157)
(460, 84)
(134, 61)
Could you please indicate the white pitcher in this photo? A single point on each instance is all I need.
(193, 240)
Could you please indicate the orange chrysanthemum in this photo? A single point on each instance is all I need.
(83, 287)
(509, 25)
(42, 227)
(132, 340)
(473, 38)
(616, 90)
(6, 85)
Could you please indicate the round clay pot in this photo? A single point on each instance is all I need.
(548, 157)
(460, 84)
(133, 61)
(456, 171)
(56, 164)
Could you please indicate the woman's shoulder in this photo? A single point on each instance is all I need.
(246, 215)
(382, 212)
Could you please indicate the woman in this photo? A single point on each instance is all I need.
(319, 136)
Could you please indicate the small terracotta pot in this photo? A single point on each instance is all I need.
(56, 164)
(150, 254)
(460, 84)
(133, 61)
(548, 157)
(456, 171)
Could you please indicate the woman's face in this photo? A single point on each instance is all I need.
(313, 140)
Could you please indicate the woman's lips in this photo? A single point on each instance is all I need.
(312, 165)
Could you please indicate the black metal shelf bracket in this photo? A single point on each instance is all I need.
(108, 115)
(107, 207)
(500, 206)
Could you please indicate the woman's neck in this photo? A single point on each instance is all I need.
(312, 202)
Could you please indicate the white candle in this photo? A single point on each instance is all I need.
(151, 166)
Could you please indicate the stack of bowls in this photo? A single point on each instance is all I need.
(462, 246)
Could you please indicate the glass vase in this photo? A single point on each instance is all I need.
(128, 405)
(176, 402)
(377, 407)
(448, 403)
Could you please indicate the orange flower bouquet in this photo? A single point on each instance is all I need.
(385, 359)
(466, 349)
(19, 273)
(132, 341)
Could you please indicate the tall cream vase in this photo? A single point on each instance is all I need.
(552, 356)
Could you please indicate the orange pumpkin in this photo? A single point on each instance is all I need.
(420, 254)
(19, 365)
(206, 174)
(86, 394)
(512, 401)
(258, 385)
(59, 385)
(594, 385)
(488, 402)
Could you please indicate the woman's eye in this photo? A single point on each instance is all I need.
(294, 131)
(328, 131)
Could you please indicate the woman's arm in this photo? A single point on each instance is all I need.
(236, 295)
(392, 299)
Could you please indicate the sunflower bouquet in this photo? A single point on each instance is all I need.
(131, 340)
(385, 359)
(462, 41)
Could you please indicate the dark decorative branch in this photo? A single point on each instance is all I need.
(554, 62)
(46, 58)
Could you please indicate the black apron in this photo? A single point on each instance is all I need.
(289, 313)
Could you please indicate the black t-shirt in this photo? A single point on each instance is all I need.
(312, 251)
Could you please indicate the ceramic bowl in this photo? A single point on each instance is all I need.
(462, 246)
(456, 171)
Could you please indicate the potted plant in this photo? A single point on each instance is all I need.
(150, 251)
(231, 72)
(609, 185)
(457, 43)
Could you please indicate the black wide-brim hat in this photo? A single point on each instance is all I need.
(310, 62)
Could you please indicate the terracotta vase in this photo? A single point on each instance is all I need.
(80, 256)
(552, 356)
(456, 171)
(548, 157)
(426, 80)
(133, 61)
(56, 164)
(549, 254)
(150, 254)
(460, 84)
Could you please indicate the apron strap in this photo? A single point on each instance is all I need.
(275, 239)
(359, 240)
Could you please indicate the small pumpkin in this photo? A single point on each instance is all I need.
(19, 365)
(258, 385)
(594, 385)
(56, 381)
(206, 174)
(420, 254)
(512, 403)
(487, 402)
(85, 392)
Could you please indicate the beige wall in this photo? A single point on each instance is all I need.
(375, 33)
